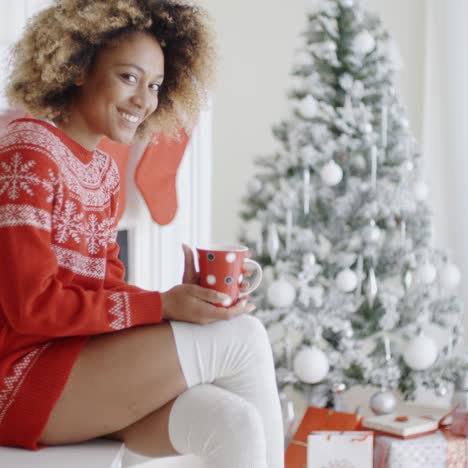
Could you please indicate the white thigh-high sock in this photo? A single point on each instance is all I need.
(235, 355)
(219, 426)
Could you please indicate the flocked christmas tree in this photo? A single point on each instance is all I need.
(354, 292)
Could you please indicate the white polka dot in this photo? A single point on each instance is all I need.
(211, 279)
(241, 278)
(230, 257)
(227, 302)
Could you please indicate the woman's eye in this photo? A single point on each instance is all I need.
(155, 87)
(129, 77)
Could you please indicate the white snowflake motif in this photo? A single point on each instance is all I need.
(68, 223)
(98, 234)
(55, 188)
(17, 176)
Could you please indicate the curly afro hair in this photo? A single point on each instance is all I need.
(61, 42)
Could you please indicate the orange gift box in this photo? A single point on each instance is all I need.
(317, 419)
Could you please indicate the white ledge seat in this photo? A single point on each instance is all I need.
(98, 453)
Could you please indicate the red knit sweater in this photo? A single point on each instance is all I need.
(60, 279)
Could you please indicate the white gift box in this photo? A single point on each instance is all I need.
(340, 449)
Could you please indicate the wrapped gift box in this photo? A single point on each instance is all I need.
(317, 419)
(340, 449)
(439, 450)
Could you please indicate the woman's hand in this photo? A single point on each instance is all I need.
(192, 303)
(189, 302)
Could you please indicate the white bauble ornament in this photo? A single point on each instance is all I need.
(371, 233)
(281, 293)
(383, 402)
(420, 353)
(449, 276)
(308, 107)
(347, 280)
(311, 365)
(331, 173)
(364, 43)
(420, 190)
(427, 273)
(254, 186)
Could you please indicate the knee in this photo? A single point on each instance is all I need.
(241, 428)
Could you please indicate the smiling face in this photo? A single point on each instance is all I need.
(118, 93)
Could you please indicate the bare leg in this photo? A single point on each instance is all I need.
(119, 379)
(149, 436)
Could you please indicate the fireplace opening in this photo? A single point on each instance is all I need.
(122, 240)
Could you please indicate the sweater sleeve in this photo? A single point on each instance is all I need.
(34, 297)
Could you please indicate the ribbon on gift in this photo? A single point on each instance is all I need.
(456, 451)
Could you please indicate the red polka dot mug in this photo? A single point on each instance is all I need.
(223, 267)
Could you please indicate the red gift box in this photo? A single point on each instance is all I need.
(317, 419)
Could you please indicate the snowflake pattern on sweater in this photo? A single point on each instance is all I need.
(19, 175)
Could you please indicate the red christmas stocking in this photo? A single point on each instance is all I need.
(155, 176)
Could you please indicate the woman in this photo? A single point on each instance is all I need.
(82, 353)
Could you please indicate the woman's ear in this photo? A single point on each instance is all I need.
(80, 81)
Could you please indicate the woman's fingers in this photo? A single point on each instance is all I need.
(193, 303)
(190, 273)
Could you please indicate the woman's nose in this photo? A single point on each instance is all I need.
(141, 97)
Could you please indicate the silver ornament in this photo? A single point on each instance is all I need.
(339, 387)
(441, 390)
(359, 273)
(403, 231)
(408, 280)
(371, 287)
(306, 190)
(383, 402)
(388, 349)
(272, 242)
(308, 260)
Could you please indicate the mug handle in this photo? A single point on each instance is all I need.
(253, 266)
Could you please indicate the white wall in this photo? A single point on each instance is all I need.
(256, 41)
